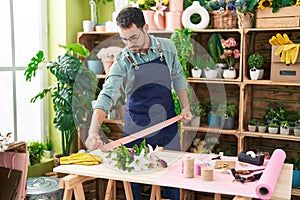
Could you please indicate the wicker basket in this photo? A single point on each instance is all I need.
(223, 20)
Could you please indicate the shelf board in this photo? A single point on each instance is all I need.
(269, 82)
(271, 136)
(218, 30)
(215, 81)
(270, 29)
(211, 130)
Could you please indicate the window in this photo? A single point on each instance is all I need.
(23, 32)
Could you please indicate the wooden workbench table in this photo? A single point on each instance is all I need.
(161, 177)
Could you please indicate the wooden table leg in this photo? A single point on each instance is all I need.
(155, 192)
(128, 191)
(241, 198)
(218, 197)
(186, 194)
(110, 190)
(73, 183)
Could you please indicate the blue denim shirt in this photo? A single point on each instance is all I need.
(122, 76)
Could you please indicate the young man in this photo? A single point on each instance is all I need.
(146, 70)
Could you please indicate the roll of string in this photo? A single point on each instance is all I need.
(188, 170)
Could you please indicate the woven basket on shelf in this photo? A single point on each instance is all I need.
(223, 20)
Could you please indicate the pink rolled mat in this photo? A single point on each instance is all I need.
(268, 180)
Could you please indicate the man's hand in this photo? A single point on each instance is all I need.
(186, 115)
(93, 141)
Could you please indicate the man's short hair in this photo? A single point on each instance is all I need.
(129, 16)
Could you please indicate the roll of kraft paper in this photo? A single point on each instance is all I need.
(267, 182)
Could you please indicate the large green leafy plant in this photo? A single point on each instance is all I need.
(72, 92)
(182, 40)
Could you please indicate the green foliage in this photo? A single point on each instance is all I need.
(210, 64)
(49, 145)
(262, 124)
(275, 113)
(295, 161)
(182, 41)
(227, 109)
(215, 47)
(196, 108)
(256, 61)
(273, 125)
(253, 122)
(176, 103)
(71, 94)
(285, 124)
(36, 152)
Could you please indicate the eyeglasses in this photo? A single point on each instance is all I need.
(132, 39)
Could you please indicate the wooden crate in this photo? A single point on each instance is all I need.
(282, 72)
(284, 17)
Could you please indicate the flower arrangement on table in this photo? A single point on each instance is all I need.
(138, 158)
(231, 53)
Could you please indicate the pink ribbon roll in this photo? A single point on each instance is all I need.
(268, 180)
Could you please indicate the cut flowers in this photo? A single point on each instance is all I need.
(138, 158)
(274, 4)
(231, 53)
(150, 4)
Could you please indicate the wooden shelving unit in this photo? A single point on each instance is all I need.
(251, 96)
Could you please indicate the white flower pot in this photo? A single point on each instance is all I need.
(285, 131)
(251, 128)
(273, 130)
(296, 132)
(195, 122)
(261, 74)
(220, 68)
(254, 74)
(196, 73)
(229, 73)
(262, 129)
(211, 73)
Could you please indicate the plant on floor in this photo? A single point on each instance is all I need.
(72, 92)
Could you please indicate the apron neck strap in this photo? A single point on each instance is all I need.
(131, 61)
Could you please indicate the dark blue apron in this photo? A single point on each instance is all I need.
(150, 102)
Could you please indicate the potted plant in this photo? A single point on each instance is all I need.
(227, 113)
(210, 69)
(94, 64)
(49, 146)
(215, 50)
(231, 56)
(297, 130)
(245, 13)
(36, 152)
(273, 128)
(285, 128)
(72, 92)
(296, 170)
(256, 62)
(262, 127)
(210, 108)
(275, 113)
(182, 41)
(197, 69)
(252, 125)
(107, 55)
(197, 112)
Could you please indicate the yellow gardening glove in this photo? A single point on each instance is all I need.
(289, 53)
(81, 159)
(279, 40)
